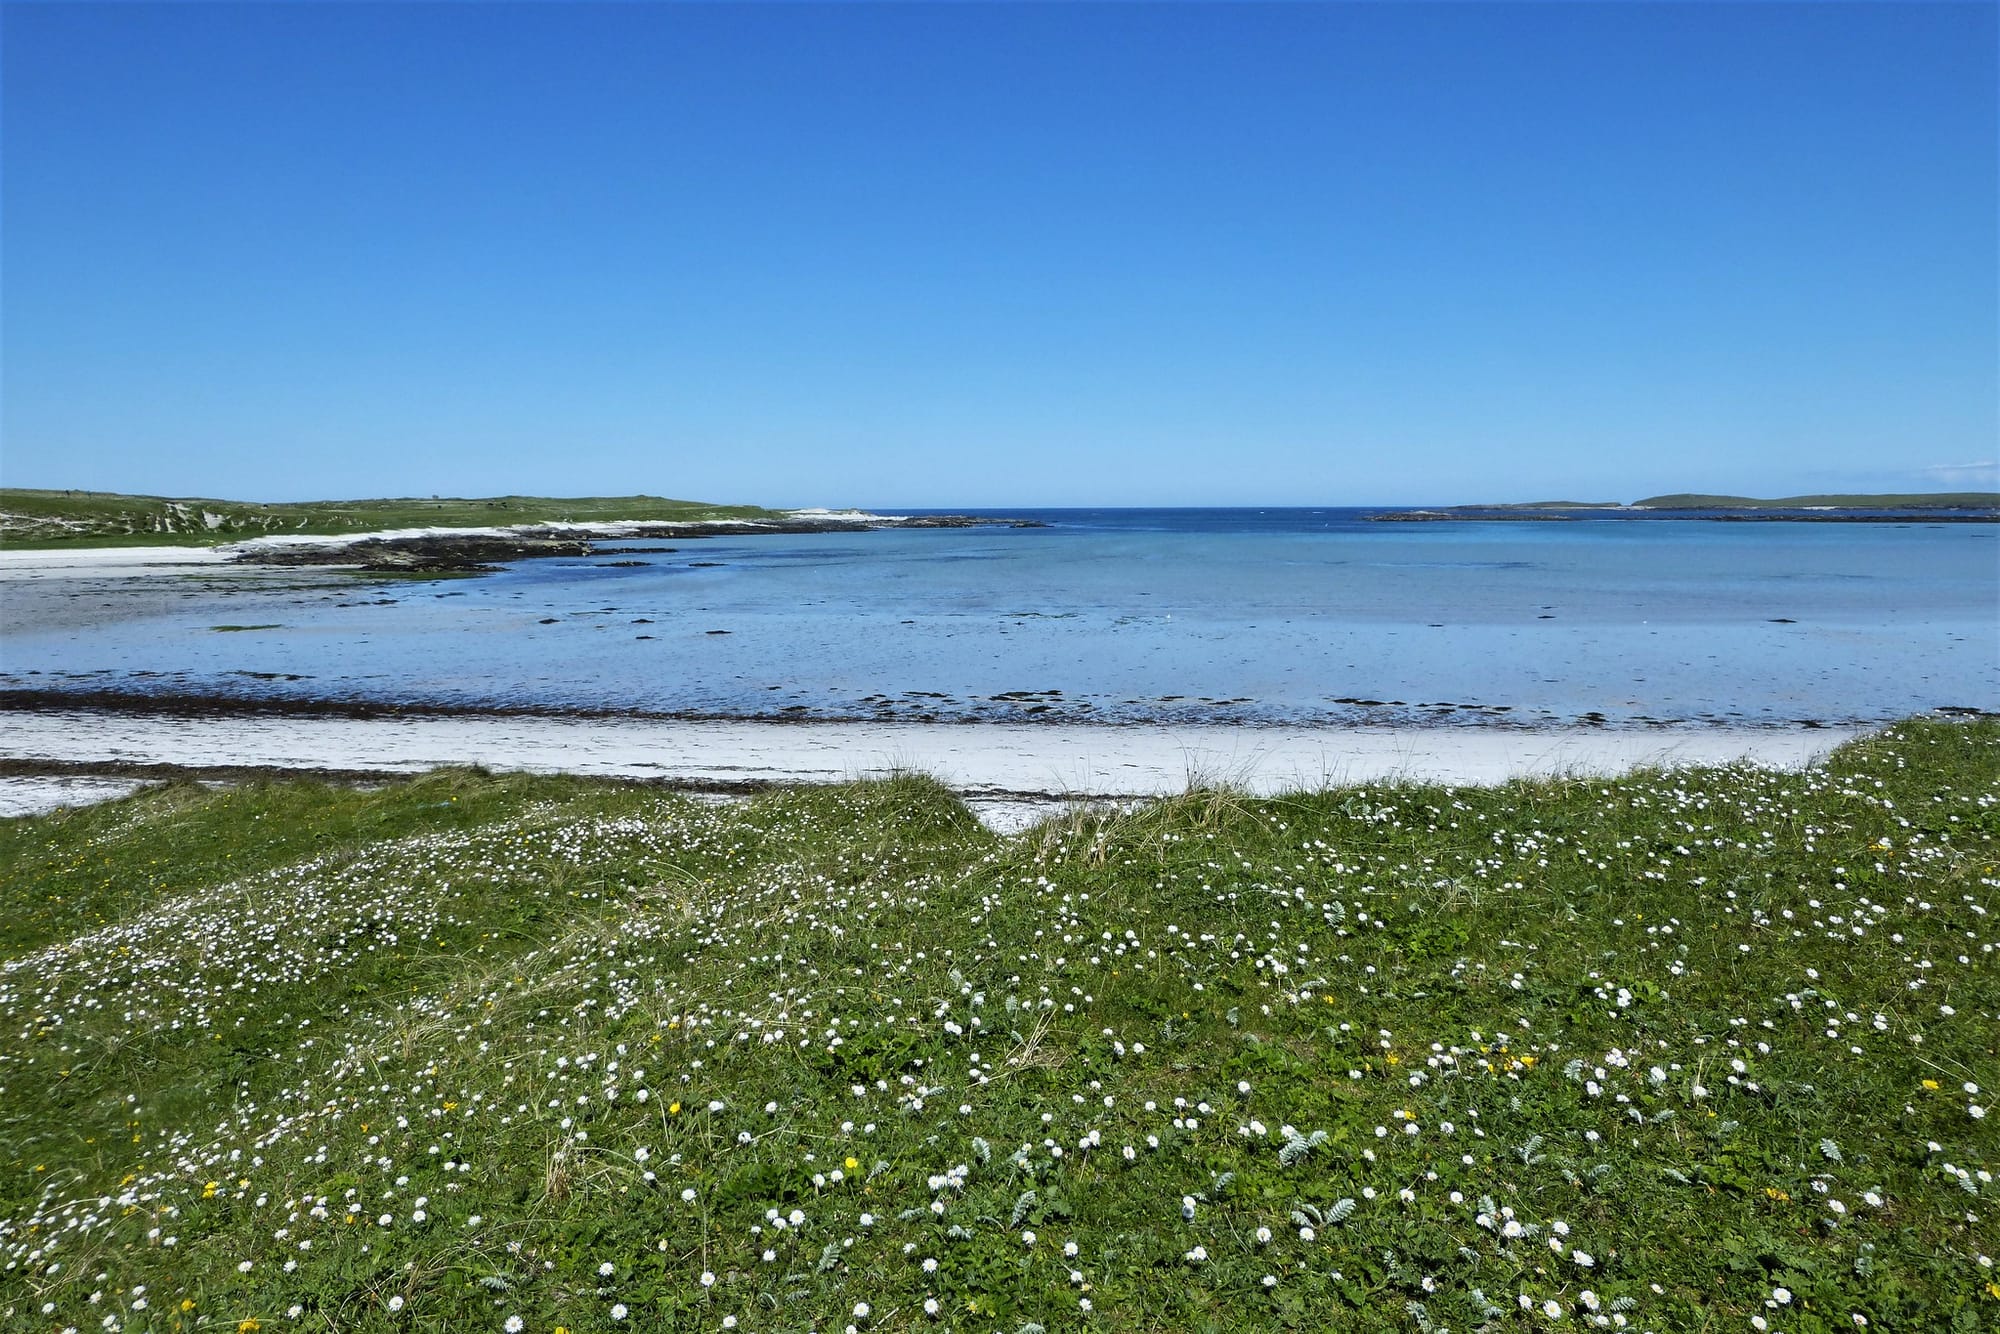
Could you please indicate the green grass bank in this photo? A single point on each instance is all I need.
(470, 1052)
(44, 519)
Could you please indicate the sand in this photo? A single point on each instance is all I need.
(978, 760)
(105, 562)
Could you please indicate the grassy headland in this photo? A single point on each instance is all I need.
(1671, 1051)
(99, 518)
(1922, 500)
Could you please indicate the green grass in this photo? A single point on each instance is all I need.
(1919, 500)
(40, 519)
(471, 1047)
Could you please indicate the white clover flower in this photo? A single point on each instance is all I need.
(396, 1303)
(513, 1324)
(618, 1312)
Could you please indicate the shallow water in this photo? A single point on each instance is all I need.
(1285, 616)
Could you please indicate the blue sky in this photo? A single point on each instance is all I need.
(987, 255)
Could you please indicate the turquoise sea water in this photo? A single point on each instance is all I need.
(1123, 615)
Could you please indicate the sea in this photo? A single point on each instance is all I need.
(1285, 616)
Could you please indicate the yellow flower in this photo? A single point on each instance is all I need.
(1931, 1085)
(673, 1109)
(853, 1163)
(1775, 1193)
(249, 1327)
(187, 1303)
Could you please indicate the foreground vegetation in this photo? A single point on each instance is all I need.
(1703, 1049)
(31, 518)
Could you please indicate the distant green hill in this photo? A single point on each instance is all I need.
(106, 518)
(1931, 500)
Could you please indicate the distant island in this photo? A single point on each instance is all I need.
(1929, 507)
(1926, 500)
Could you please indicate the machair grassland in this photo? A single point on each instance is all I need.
(1698, 1049)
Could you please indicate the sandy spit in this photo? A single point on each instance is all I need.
(979, 760)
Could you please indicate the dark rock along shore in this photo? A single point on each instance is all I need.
(476, 552)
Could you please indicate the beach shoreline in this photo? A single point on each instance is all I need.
(1030, 761)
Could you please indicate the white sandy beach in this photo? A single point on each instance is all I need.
(1054, 762)
(111, 562)
(105, 562)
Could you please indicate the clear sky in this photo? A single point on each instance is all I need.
(1000, 254)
